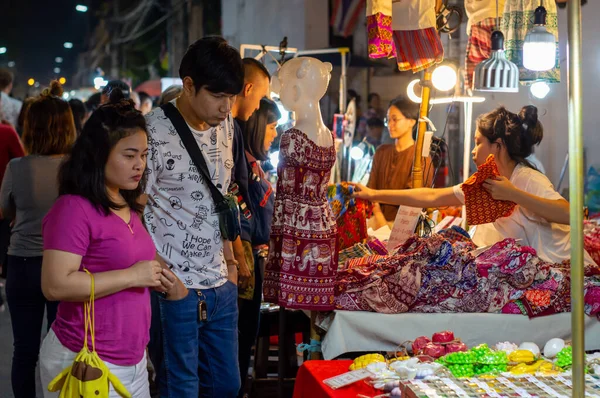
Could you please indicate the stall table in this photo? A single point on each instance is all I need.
(309, 381)
(354, 331)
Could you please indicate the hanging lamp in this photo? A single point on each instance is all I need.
(539, 48)
(497, 73)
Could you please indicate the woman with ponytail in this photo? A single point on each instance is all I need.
(541, 217)
(28, 191)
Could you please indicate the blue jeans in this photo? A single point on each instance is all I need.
(200, 359)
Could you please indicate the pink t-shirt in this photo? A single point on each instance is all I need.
(105, 243)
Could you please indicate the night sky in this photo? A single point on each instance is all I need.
(33, 31)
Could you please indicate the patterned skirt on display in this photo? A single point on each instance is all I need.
(417, 50)
(302, 264)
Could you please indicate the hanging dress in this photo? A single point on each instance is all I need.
(481, 24)
(302, 264)
(417, 41)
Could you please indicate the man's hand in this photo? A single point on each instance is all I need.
(232, 273)
(170, 283)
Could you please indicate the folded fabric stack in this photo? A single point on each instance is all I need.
(440, 273)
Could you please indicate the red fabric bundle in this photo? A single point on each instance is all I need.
(481, 207)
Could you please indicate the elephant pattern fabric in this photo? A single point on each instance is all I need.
(303, 255)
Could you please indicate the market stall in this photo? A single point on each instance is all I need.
(385, 297)
(387, 291)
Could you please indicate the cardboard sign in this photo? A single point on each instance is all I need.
(347, 378)
(404, 226)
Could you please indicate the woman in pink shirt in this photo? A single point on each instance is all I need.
(95, 225)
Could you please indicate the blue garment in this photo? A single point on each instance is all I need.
(200, 358)
(239, 173)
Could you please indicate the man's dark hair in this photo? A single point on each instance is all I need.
(93, 102)
(83, 172)
(375, 122)
(144, 96)
(117, 84)
(6, 78)
(252, 65)
(213, 64)
(371, 96)
(79, 111)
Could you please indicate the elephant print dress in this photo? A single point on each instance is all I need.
(302, 264)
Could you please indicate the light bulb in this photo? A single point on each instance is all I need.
(444, 77)
(539, 89)
(274, 159)
(539, 47)
(539, 56)
(357, 153)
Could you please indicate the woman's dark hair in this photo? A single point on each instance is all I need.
(409, 109)
(519, 133)
(48, 128)
(256, 126)
(213, 64)
(79, 112)
(83, 172)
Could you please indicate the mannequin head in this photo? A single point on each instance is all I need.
(302, 81)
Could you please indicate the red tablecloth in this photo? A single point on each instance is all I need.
(309, 381)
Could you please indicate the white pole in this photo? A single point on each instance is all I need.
(468, 115)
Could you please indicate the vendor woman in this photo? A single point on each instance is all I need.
(541, 217)
(392, 163)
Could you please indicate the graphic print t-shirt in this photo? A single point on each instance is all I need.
(180, 213)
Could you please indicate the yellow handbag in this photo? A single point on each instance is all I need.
(88, 376)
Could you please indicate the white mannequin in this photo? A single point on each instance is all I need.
(301, 83)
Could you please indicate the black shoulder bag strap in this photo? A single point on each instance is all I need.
(188, 140)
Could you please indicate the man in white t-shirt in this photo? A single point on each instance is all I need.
(198, 317)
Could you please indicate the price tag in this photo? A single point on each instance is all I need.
(509, 384)
(347, 378)
(404, 226)
(425, 389)
(544, 387)
(484, 386)
(459, 391)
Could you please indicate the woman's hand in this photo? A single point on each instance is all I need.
(500, 188)
(362, 192)
(146, 273)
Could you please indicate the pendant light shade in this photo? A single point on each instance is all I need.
(539, 48)
(497, 73)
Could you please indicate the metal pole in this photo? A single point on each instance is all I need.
(468, 115)
(347, 160)
(424, 111)
(576, 193)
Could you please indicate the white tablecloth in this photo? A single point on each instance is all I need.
(368, 331)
